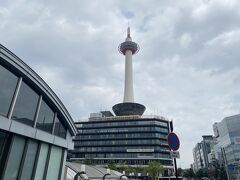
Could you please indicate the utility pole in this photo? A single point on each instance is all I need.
(174, 159)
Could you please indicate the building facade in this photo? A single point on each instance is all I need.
(35, 128)
(129, 140)
(227, 148)
(201, 153)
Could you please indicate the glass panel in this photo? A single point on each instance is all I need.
(54, 163)
(3, 139)
(26, 105)
(8, 83)
(29, 160)
(59, 129)
(41, 162)
(14, 159)
(45, 118)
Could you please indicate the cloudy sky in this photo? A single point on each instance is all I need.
(187, 69)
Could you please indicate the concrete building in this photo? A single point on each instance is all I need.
(35, 128)
(227, 148)
(128, 137)
(201, 153)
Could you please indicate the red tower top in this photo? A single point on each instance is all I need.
(128, 44)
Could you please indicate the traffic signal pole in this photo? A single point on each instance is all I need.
(174, 159)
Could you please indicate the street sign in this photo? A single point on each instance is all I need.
(173, 141)
(231, 167)
(175, 154)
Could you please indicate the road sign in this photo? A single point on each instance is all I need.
(175, 154)
(231, 167)
(173, 141)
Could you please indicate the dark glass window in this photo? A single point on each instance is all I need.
(8, 82)
(26, 105)
(3, 141)
(59, 130)
(14, 159)
(29, 160)
(45, 118)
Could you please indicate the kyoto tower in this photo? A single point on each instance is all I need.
(128, 107)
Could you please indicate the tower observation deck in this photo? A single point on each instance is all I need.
(128, 107)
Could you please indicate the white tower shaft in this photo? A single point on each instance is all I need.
(128, 88)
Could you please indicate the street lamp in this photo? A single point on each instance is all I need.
(82, 171)
(78, 175)
(107, 174)
(123, 175)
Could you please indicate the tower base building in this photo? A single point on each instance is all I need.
(125, 140)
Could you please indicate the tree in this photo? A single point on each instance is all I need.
(188, 173)
(112, 165)
(202, 173)
(88, 161)
(180, 171)
(154, 169)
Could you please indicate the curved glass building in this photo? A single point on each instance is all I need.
(35, 128)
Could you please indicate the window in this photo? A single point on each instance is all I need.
(45, 118)
(41, 161)
(29, 160)
(3, 141)
(54, 163)
(15, 158)
(26, 105)
(8, 83)
(59, 130)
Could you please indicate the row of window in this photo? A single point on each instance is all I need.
(27, 159)
(29, 108)
(121, 135)
(123, 155)
(125, 129)
(120, 142)
(122, 148)
(122, 123)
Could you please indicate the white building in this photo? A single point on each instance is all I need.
(201, 152)
(227, 148)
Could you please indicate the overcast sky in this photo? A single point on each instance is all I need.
(187, 69)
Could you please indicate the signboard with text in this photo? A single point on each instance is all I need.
(140, 150)
(175, 154)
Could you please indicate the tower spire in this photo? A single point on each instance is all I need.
(128, 31)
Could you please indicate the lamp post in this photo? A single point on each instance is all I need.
(123, 175)
(82, 171)
(78, 175)
(107, 174)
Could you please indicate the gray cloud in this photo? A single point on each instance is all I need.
(187, 68)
